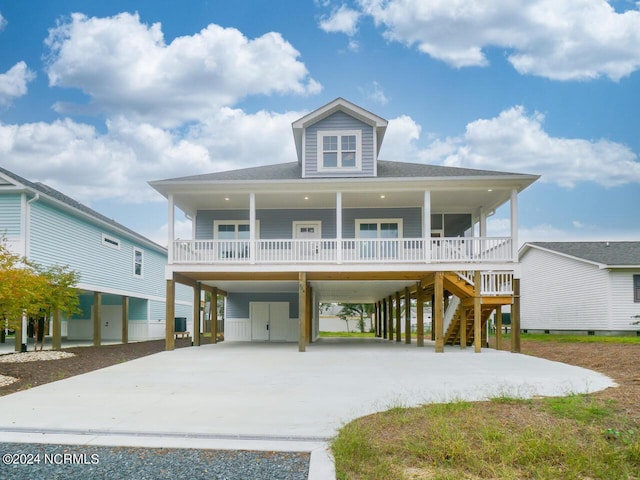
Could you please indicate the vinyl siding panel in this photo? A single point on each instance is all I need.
(10, 216)
(278, 223)
(339, 121)
(623, 308)
(559, 293)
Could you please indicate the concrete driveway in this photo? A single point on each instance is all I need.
(270, 391)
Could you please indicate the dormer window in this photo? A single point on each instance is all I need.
(340, 150)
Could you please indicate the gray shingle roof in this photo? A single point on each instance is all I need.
(386, 169)
(606, 253)
(61, 197)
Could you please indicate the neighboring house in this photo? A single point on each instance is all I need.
(580, 287)
(117, 266)
(339, 225)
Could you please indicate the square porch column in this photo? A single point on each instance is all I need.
(339, 227)
(171, 229)
(514, 225)
(125, 320)
(197, 294)
(426, 226)
(407, 315)
(97, 318)
(302, 311)
(252, 228)
(420, 316)
(170, 313)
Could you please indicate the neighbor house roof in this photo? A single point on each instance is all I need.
(604, 254)
(59, 197)
(293, 171)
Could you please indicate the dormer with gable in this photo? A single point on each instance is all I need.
(339, 139)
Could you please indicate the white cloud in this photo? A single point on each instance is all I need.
(127, 68)
(341, 20)
(556, 39)
(375, 93)
(3, 22)
(13, 83)
(515, 141)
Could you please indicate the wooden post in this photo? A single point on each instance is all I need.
(463, 327)
(125, 319)
(302, 311)
(420, 316)
(214, 315)
(407, 316)
(433, 317)
(477, 311)
(390, 316)
(170, 313)
(377, 324)
(197, 295)
(515, 317)
(56, 340)
(309, 314)
(384, 318)
(398, 318)
(97, 318)
(439, 311)
(499, 327)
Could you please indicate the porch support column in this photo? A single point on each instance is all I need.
(197, 295)
(252, 228)
(426, 225)
(302, 311)
(483, 223)
(515, 317)
(377, 324)
(499, 327)
(309, 305)
(383, 317)
(171, 229)
(398, 318)
(339, 227)
(214, 315)
(514, 224)
(390, 315)
(420, 316)
(407, 316)
(170, 314)
(439, 311)
(463, 327)
(477, 311)
(56, 340)
(97, 318)
(125, 320)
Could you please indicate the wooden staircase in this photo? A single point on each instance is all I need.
(452, 335)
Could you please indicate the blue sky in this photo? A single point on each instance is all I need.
(97, 98)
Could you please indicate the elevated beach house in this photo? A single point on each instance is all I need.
(121, 288)
(340, 225)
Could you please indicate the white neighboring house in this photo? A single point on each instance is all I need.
(580, 287)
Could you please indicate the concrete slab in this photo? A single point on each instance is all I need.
(273, 392)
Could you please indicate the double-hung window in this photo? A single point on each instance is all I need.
(138, 258)
(636, 288)
(339, 150)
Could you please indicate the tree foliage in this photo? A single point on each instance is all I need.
(360, 311)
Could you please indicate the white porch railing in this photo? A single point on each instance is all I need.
(358, 250)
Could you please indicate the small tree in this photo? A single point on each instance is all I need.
(358, 310)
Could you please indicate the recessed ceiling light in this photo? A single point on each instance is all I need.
(226, 199)
(381, 196)
(490, 190)
(306, 198)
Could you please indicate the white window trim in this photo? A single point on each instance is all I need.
(136, 249)
(379, 221)
(339, 134)
(317, 223)
(236, 223)
(111, 242)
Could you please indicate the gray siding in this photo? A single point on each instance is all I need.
(10, 215)
(238, 303)
(278, 224)
(339, 121)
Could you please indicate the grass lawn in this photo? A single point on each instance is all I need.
(583, 437)
(347, 335)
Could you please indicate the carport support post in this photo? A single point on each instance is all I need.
(499, 327)
(477, 311)
(97, 318)
(515, 317)
(407, 316)
(125, 319)
(420, 316)
(214, 315)
(384, 317)
(302, 311)
(170, 313)
(439, 311)
(398, 318)
(377, 306)
(56, 340)
(197, 294)
(390, 315)
(309, 313)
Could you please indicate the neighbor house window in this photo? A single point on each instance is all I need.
(636, 288)
(110, 242)
(339, 150)
(138, 258)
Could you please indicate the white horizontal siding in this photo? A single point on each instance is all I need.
(10, 216)
(558, 293)
(623, 308)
